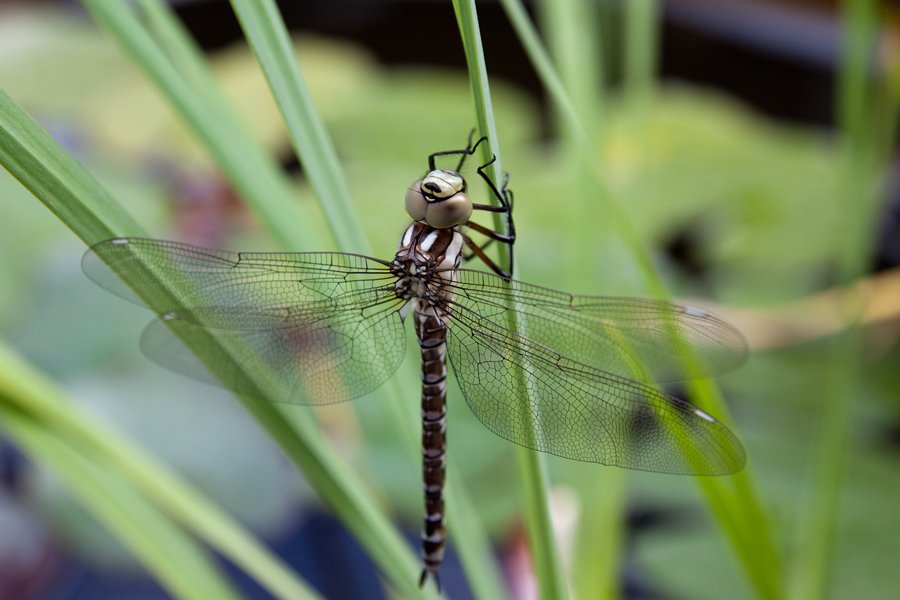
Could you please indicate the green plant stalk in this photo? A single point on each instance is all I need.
(574, 34)
(202, 107)
(178, 563)
(335, 482)
(467, 18)
(866, 143)
(812, 568)
(485, 585)
(575, 41)
(533, 478)
(601, 532)
(29, 392)
(534, 483)
(175, 43)
(640, 54)
(726, 497)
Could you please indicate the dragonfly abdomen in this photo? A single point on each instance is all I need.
(432, 340)
(425, 266)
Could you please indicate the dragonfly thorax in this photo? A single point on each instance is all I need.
(425, 261)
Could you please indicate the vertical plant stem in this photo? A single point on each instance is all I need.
(575, 37)
(533, 479)
(640, 51)
(734, 501)
(863, 145)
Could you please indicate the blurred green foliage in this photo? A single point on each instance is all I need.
(757, 199)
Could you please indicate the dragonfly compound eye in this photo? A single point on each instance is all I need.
(443, 214)
(415, 201)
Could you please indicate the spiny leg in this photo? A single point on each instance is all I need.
(504, 196)
(490, 233)
(467, 152)
(492, 237)
(479, 252)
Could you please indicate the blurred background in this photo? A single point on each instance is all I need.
(730, 165)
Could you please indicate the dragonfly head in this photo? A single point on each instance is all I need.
(439, 199)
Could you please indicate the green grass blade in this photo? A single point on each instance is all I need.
(866, 145)
(597, 571)
(734, 502)
(254, 174)
(31, 394)
(812, 569)
(640, 53)
(534, 485)
(531, 465)
(574, 32)
(467, 19)
(175, 42)
(177, 562)
(269, 39)
(575, 39)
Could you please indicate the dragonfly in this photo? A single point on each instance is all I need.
(559, 373)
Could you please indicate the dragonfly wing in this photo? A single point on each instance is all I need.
(334, 358)
(535, 397)
(308, 328)
(172, 276)
(630, 337)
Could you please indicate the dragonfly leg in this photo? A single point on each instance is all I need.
(463, 154)
(479, 252)
(503, 195)
(493, 235)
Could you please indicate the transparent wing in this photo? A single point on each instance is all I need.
(563, 385)
(539, 399)
(629, 337)
(308, 328)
